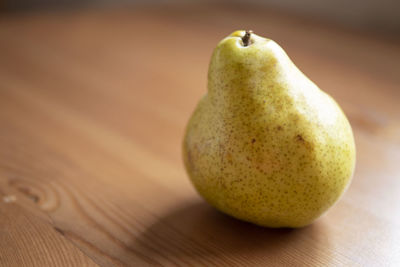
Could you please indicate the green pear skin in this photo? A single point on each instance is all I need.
(265, 144)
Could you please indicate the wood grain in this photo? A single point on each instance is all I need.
(27, 240)
(93, 106)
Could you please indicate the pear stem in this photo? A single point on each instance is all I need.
(246, 38)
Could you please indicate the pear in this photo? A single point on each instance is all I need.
(265, 144)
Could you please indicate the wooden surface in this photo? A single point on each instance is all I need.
(93, 106)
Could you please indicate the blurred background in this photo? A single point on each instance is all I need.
(370, 15)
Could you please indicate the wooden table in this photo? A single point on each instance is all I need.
(93, 105)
